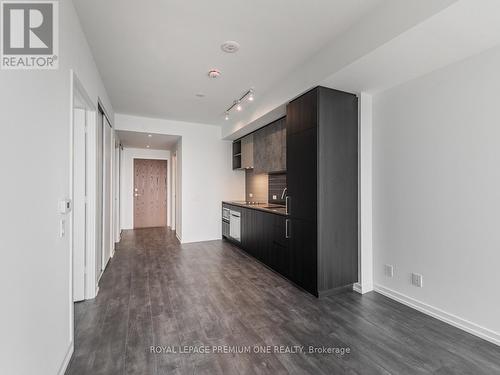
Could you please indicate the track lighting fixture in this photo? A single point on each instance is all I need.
(237, 104)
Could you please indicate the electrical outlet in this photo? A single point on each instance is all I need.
(417, 280)
(275, 197)
(389, 270)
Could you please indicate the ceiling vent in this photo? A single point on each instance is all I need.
(230, 46)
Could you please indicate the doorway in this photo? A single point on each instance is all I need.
(82, 192)
(150, 193)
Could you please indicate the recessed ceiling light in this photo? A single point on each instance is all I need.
(214, 73)
(227, 116)
(149, 135)
(230, 46)
(239, 107)
(147, 146)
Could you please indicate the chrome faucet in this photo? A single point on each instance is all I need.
(283, 194)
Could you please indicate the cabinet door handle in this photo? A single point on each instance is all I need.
(287, 228)
(288, 199)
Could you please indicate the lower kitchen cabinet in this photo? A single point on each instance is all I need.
(263, 236)
(303, 254)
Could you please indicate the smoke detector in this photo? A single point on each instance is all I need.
(230, 46)
(214, 73)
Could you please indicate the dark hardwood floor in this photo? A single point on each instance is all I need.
(156, 292)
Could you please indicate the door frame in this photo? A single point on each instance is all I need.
(173, 192)
(168, 186)
(78, 198)
(77, 89)
(117, 191)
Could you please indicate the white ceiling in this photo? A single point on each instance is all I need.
(154, 55)
(388, 21)
(142, 140)
(400, 41)
(464, 29)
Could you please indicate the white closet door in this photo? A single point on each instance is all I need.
(99, 197)
(108, 149)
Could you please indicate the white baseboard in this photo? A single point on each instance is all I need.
(362, 289)
(178, 237)
(465, 325)
(67, 359)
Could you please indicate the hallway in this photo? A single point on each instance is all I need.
(158, 292)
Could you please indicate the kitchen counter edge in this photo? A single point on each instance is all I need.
(256, 207)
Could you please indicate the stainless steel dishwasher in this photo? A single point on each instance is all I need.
(235, 226)
(226, 219)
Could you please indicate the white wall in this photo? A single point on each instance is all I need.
(436, 200)
(205, 174)
(35, 266)
(127, 182)
(365, 144)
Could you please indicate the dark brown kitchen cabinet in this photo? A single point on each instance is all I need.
(247, 152)
(303, 254)
(269, 145)
(263, 236)
(322, 178)
(316, 244)
(279, 256)
(303, 160)
(236, 152)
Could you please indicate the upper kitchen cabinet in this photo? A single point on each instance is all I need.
(269, 145)
(247, 152)
(237, 154)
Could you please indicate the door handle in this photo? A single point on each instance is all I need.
(287, 228)
(136, 195)
(288, 200)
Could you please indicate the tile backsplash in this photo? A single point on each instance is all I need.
(277, 183)
(256, 186)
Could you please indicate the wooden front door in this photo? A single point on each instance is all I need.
(150, 193)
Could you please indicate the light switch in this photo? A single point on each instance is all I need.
(64, 206)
